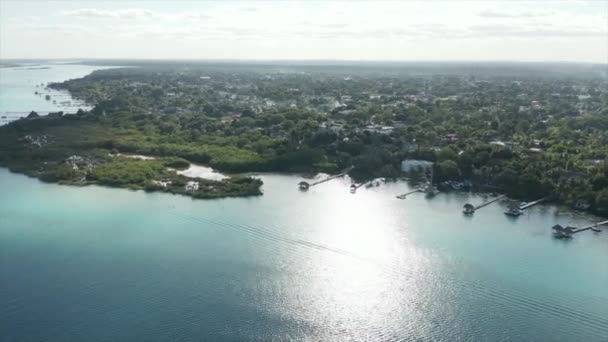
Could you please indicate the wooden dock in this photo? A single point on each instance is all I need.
(305, 185)
(403, 196)
(470, 209)
(593, 227)
(567, 232)
(528, 205)
(489, 202)
(343, 173)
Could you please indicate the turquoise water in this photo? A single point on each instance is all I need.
(95, 263)
(18, 86)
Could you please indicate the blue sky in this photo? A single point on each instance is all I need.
(405, 30)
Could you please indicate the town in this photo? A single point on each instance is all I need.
(518, 131)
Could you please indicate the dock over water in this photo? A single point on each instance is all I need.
(593, 227)
(567, 232)
(305, 185)
(528, 205)
(470, 209)
(403, 196)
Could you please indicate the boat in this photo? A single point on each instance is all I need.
(353, 188)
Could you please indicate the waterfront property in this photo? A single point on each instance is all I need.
(567, 232)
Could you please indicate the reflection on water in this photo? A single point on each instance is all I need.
(323, 265)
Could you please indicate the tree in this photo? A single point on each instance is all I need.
(446, 170)
(601, 201)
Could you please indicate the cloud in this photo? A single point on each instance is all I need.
(191, 16)
(492, 13)
(538, 31)
(129, 13)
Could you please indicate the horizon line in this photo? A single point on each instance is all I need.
(304, 60)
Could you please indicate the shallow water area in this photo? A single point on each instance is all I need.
(18, 87)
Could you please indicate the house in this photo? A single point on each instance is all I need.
(303, 185)
(582, 204)
(563, 232)
(410, 165)
(536, 105)
(450, 138)
(468, 209)
(162, 183)
(191, 186)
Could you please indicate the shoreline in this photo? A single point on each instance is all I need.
(561, 208)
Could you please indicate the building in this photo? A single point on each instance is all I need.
(410, 165)
(562, 232)
(191, 186)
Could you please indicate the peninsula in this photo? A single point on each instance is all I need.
(526, 130)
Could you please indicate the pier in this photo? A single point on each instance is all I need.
(376, 181)
(519, 210)
(593, 227)
(528, 205)
(470, 209)
(305, 185)
(403, 196)
(567, 232)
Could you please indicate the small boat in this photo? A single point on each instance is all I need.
(353, 188)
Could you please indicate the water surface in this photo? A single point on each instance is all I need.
(19, 84)
(95, 263)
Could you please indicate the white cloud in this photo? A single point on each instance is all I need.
(129, 13)
(495, 13)
(323, 29)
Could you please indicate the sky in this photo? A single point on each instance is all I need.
(571, 30)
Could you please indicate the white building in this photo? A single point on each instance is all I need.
(409, 165)
(191, 186)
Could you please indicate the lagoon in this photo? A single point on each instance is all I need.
(94, 263)
(19, 84)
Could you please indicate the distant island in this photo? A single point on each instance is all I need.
(527, 132)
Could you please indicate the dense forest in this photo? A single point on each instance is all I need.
(530, 134)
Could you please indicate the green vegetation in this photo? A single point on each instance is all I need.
(522, 131)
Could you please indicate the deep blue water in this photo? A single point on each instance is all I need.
(100, 264)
